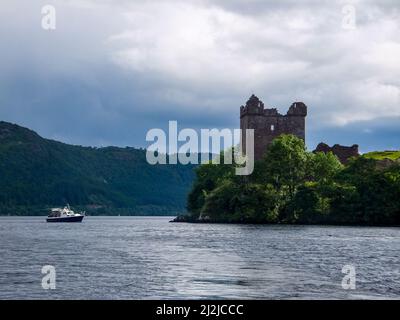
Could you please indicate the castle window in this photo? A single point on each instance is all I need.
(272, 127)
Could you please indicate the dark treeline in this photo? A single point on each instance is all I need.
(291, 185)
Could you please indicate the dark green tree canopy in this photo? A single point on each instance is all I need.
(291, 185)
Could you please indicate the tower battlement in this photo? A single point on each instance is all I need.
(255, 106)
(297, 109)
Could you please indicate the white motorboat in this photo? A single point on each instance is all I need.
(65, 214)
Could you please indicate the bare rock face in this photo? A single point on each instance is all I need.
(344, 153)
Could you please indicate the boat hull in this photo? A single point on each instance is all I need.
(65, 219)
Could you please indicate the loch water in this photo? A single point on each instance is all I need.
(150, 258)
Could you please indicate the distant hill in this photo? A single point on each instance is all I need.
(37, 173)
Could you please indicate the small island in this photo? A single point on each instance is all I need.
(290, 185)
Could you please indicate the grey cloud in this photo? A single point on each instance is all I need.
(114, 69)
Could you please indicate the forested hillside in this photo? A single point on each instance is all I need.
(37, 173)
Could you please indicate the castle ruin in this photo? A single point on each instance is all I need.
(343, 153)
(269, 124)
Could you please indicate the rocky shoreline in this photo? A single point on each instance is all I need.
(188, 219)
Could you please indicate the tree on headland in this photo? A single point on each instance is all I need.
(284, 165)
(208, 177)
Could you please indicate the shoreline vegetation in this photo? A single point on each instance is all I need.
(293, 186)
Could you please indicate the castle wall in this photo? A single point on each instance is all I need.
(343, 153)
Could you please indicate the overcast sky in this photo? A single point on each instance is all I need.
(113, 69)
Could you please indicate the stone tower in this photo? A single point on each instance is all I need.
(269, 124)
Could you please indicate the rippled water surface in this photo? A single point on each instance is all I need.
(147, 258)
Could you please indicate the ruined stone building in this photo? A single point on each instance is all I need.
(342, 152)
(269, 124)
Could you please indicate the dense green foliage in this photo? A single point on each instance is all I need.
(291, 185)
(37, 173)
